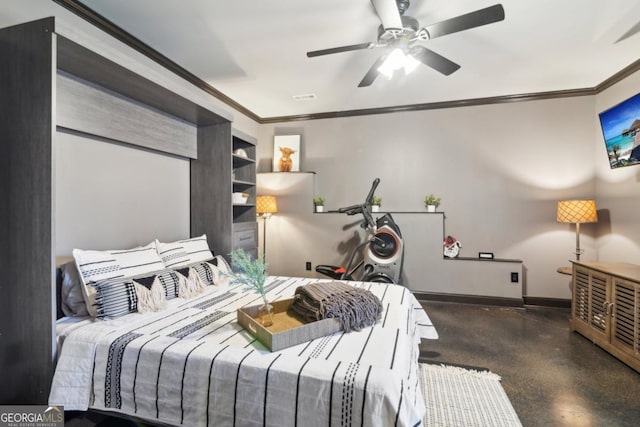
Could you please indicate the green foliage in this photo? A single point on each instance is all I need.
(247, 272)
(376, 201)
(318, 201)
(432, 200)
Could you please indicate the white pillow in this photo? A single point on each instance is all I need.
(184, 252)
(113, 264)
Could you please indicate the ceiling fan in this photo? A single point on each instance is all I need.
(402, 34)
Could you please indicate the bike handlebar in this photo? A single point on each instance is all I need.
(367, 201)
(351, 210)
(363, 208)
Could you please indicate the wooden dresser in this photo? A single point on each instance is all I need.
(606, 307)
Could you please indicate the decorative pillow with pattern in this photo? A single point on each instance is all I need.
(184, 252)
(114, 298)
(97, 266)
(150, 295)
(117, 297)
(191, 284)
(170, 282)
(214, 272)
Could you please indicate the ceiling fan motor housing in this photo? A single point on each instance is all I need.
(403, 5)
(410, 27)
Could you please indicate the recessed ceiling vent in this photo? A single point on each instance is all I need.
(306, 97)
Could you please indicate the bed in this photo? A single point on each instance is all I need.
(193, 364)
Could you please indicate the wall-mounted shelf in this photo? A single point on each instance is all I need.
(286, 173)
(466, 258)
(384, 212)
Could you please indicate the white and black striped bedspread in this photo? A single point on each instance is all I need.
(193, 365)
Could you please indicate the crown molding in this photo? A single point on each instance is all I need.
(434, 105)
(118, 33)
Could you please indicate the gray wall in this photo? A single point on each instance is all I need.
(499, 169)
(618, 190)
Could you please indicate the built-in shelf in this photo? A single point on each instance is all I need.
(466, 258)
(241, 161)
(242, 185)
(238, 182)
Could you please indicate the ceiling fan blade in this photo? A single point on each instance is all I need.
(372, 73)
(388, 13)
(629, 33)
(339, 49)
(434, 60)
(467, 21)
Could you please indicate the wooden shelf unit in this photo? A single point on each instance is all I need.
(606, 307)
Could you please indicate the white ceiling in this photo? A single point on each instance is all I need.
(254, 51)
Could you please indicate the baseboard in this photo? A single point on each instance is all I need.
(548, 302)
(469, 299)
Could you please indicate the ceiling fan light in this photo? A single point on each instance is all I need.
(393, 62)
(410, 64)
(386, 70)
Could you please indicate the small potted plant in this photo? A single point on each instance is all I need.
(318, 202)
(251, 274)
(376, 202)
(431, 202)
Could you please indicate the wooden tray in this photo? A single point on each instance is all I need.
(286, 330)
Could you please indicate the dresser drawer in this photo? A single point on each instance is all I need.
(245, 235)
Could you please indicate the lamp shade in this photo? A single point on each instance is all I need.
(266, 205)
(577, 211)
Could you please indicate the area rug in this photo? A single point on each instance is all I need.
(458, 397)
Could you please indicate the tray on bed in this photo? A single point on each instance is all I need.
(286, 330)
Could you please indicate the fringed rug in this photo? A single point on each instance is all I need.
(466, 398)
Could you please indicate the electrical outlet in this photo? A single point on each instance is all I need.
(514, 277)
(308, 266)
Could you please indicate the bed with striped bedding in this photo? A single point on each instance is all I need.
(192, 364)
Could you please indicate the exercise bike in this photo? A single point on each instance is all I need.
(383, 248)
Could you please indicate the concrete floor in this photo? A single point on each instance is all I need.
(553, 377)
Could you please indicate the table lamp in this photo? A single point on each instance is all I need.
(265, 207)
(577, 212)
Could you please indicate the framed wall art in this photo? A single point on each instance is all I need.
(286, 153)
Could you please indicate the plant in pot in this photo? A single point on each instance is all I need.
(251, 274)
(318, 202)
(431, 202)
(376, 202)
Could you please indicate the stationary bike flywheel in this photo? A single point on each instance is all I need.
(384, 244)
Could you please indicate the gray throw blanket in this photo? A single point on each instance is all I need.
(355, 308)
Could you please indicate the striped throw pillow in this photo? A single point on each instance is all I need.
(214, 272)
(117, 297)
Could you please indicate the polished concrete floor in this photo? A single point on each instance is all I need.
(552, 376)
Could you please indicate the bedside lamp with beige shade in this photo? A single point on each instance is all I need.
(577, 212)
(265, 207)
